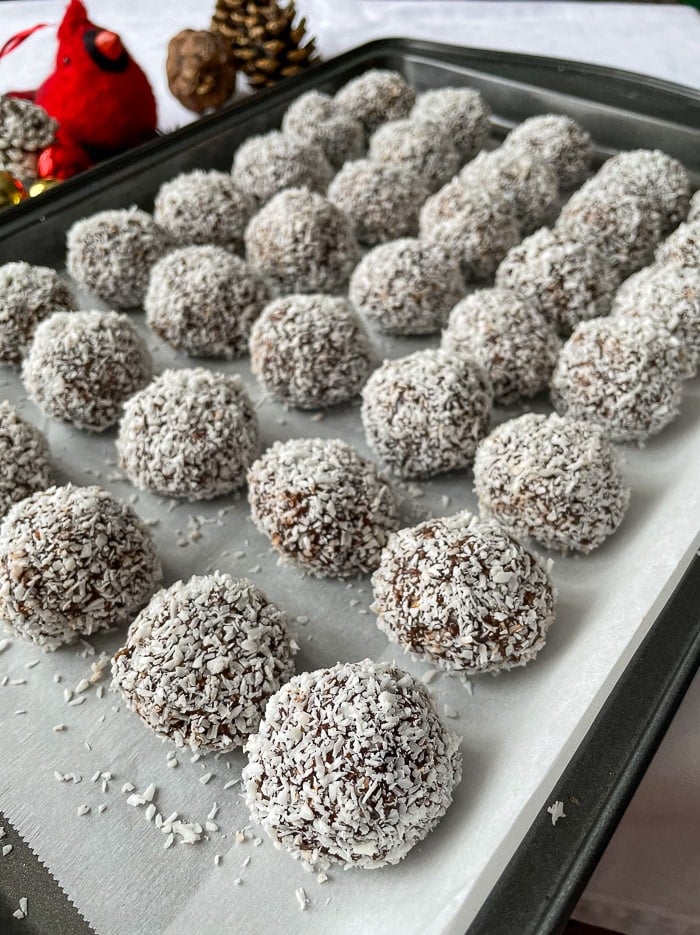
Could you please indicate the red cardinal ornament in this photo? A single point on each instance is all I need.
(98, 94)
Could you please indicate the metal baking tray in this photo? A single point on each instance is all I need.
(539, 886)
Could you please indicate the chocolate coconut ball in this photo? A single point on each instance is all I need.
(425, 413)
(375, 97)
(28, 294)
(553, 479)
(471, 227)
(406, 287)
(204, 208)
(301, 242)
(202, 659)
(204, 300)
(24, 458)
(682, 248)
(189, 433)
(565, 279)
(351, 765)
(111, 254)
(463, 595)
(82, 366)
(669, 295)
(322, 505)
(508, 337)
(310, 350)
(73, 561)
(265, 165)
(694, 208)
(315, 119)
(658, 179)
(381, 200)
(461, 113)
(423, 149)
(559, 141)
(523, 181)
(622, 374)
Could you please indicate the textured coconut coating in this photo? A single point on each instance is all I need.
(463, 594)
(24, 125)
(461, 113)
(694, 208)
(523, 181)
(659, 179)
(351, 765)
(202, 659)
(82, 366)
(471, 227)
(204, 300)
(375, 97)
(265, 165)
(190, 433)
(73, 561)
(423, 149)
(425, 413)
(322, 505)
(28, 294)
(559, 141)
(553, 479)
(310, 350)
(566, 279)
(314, 118)
(381, 200)
(620, 226)
(508, 337)
(406, 287)
(670, 295)
(622, 374)
(682, 247)
(24, 458)
(204, 208)
(111, 254)
(301, 242)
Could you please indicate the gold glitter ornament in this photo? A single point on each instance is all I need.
(12, 191)
(42, 185)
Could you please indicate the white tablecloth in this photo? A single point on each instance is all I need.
(646, 883)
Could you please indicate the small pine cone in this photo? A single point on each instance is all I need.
(201, 72)
(24, 125)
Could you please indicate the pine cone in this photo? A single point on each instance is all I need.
(265, 43)
(201, 72)
(24, 125)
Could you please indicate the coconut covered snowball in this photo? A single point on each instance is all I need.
(508, 337)
(565, 279)
(351, 765)
(265, 165)
(406, 287)
(110, 254)
(423, 149)
(82, 366)
(694, 208)
(24, 458)
(28, 294)
(73, 561)
(310, 350)
(375, 97)
(682, 248)
(300, 242)
(204, 300)
(553, 479)
(322, 505)
(669, 295)
(622, 374)
(204, 208)
(471, 227)
(463, 594)
(425, 413)
(658, 179)
(190, 433)
(316, 119)
(461, 113)
(202, 659)
(381, 200)
(559, 141)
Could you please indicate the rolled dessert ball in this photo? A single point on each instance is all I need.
(376, 96)
(551, 478)
(316, 119)
(24, 458)
(73, 561)
(558, 140)
(28, 295)
(462, 113)
(351, 765)
(681, 248)
(265, 165)
(423, 149)
(694, 208)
